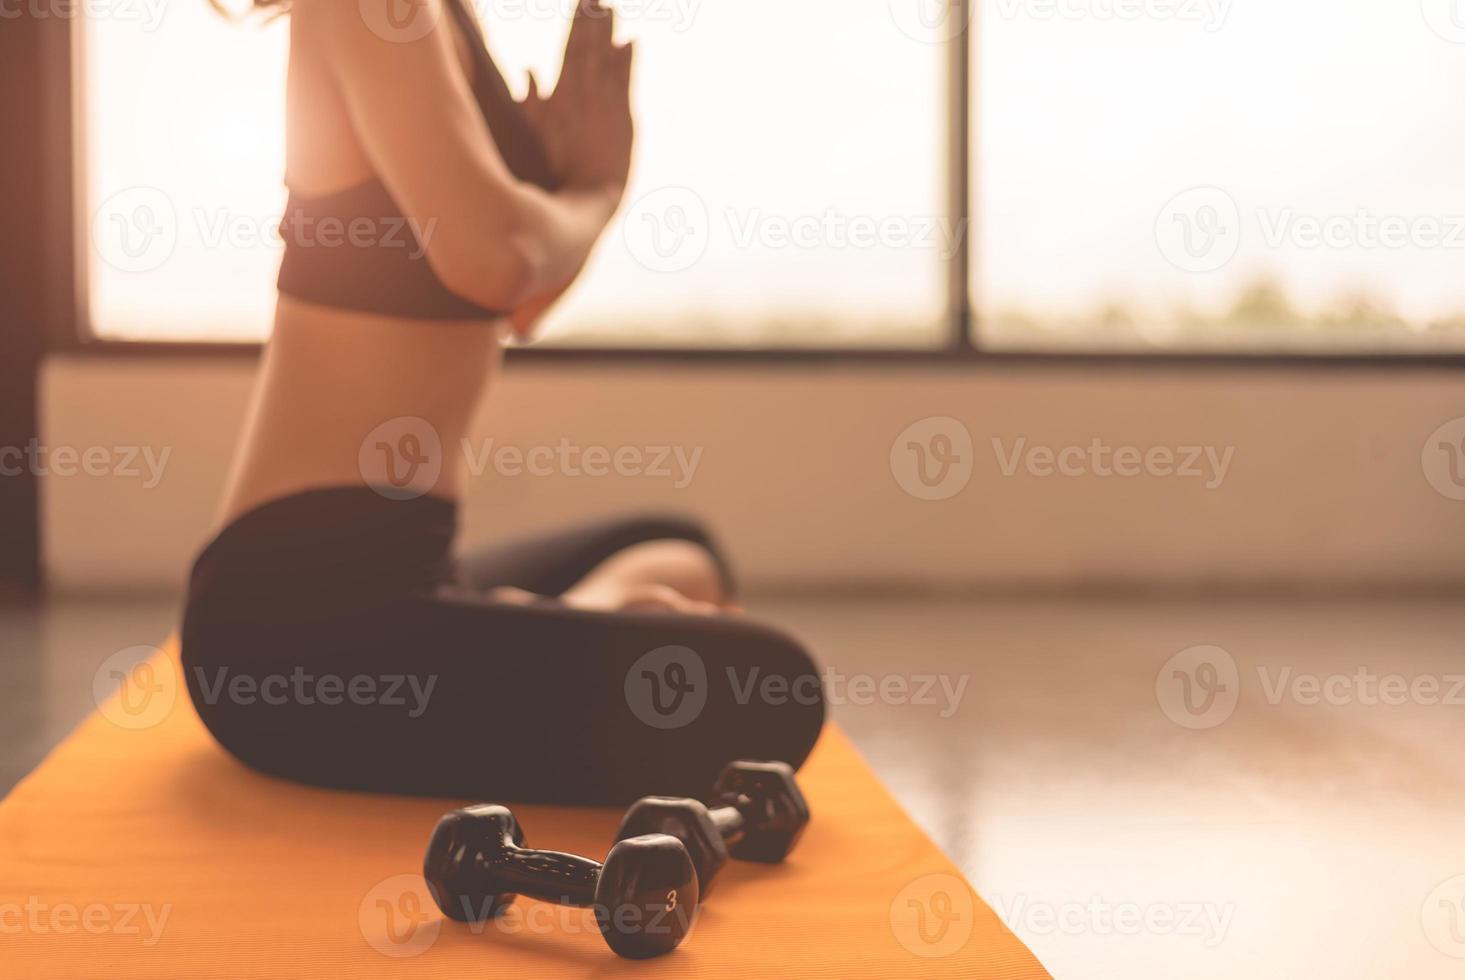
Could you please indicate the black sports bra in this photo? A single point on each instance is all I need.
(355, 250)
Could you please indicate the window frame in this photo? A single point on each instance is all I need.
(70, 332)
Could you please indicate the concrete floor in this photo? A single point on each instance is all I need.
(1121, 830)
(1285, 840)
(50, 655)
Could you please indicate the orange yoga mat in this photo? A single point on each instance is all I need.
(140, 850)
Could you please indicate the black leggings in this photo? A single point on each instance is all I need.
(331, 638)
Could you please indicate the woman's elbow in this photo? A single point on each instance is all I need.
(497, 275)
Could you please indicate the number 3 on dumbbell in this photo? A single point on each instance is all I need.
(477, 863)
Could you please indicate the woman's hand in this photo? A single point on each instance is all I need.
(586, 123)
(586, 129)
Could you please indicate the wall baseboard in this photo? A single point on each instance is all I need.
(808, 474)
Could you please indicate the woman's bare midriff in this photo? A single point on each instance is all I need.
(330, 379)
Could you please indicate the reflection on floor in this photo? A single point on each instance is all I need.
(1304, 834)
(1282, 806)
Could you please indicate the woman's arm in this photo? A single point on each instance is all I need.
(490, 238)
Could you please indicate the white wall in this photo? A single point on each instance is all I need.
(1325, 487)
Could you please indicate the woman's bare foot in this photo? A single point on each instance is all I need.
(514, 597)
(641, 598)
(668, 575)
(683, 566)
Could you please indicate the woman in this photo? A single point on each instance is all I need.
(330, 635)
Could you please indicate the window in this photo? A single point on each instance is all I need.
(184, 121)
(1217, 175)
(789, 155)
(1151, 175)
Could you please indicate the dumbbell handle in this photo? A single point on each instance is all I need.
(550, 876)
(730, 823)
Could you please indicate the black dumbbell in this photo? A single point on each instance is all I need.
(756, 813)
(645, 894)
